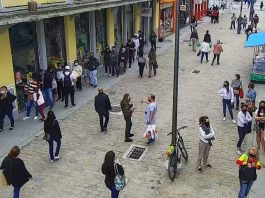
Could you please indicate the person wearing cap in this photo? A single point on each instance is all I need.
(68, 82)
(102, 107)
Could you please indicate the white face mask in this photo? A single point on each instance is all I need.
(3, 91)
(67, 73)
(76, 64)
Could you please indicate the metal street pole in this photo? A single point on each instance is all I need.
(176, 73)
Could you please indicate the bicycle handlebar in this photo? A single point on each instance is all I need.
(180, 128)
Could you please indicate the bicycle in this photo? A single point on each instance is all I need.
(175, 153)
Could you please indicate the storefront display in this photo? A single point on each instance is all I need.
(101, 35)
(167, 17)
(118, 25)
(129, 20)
(55, 41)
(25, 56)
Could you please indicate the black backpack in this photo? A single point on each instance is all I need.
(67, 80)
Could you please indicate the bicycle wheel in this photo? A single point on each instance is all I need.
(172, 166)
(182, 148)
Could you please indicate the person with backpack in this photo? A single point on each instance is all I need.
(111, 169)
(141, 64)
(51, 127)
(68, 83)
(14, 171)
(6, 107)
(248, 164)
(93, 65)
(107, 60)
(39, 99)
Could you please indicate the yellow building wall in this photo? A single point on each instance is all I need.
(12, 3)
(156, 16)
(6, 63)
(110, 27)
(137, 17)
(70, 38)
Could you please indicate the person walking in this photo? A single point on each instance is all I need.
(150, 113)
(248, 164)
(47, 88)
(110, 169)
(233, 22)
(193, 24)
(248, 31)
(59, 81)
(52, 127)
(107, 60)
(39, 100)
(6, 107)
(251, 13)
(206, 136)
(243, 125)
(152, 62)
(123, 57)
(207, 37)
(237, 86)
(102, 107)
(141, 64)
(244, 22)
(256, 20)
(15, 171)
(93, 65)
(137, 43)
(114, 56)
(29, 90)
(259, 117)
(127, 110)
(153, 38)
(194, 39)
(68, 83)
(228, 97)
(217, 50)
(131, 50)
(205, 49)
(239, 24)
(261, 5)
(141, 41)
(79, 71)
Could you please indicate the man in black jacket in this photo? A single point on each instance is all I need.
(102, 107)
(107, 60)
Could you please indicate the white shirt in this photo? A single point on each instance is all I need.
(205, 47)
(226, 95)
(39, 101)
(243, 119)
(152, 107)
(136, 42)
(204, 137)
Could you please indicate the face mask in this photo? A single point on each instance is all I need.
(225, 85)
(2, 92)
(76, 64)
(252, 155)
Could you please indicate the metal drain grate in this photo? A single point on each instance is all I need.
(135, 152)
(116, 110)
(195, 71)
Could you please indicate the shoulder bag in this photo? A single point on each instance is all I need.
(119, 180)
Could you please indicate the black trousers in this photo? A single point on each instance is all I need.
(130, 59)
(60, 90)
(107, 68)
(128, 127)
(233, 24)
(78, 83)
(69, 91)
(101, 119)
(153, 45)
(241, 134)
(141, 69)
(214, 57)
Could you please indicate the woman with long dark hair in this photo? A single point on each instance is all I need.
(108, 169)
(228, 97)
(51, 126)
(15, 171)
(259, 116)
(127, 111)
(152, 62)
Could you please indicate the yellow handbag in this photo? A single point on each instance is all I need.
(3, 178)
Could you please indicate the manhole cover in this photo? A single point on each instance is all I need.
(116, 109)
(195, 71)
(135, 152)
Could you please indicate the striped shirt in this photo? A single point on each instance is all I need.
(31, 86)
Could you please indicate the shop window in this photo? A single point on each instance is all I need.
(55, 41)
(118, 26)
(100, 23)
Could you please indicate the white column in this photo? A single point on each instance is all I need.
(41, 45)
(92, 32)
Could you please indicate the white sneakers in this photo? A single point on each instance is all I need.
(232, 120)
(36, 118)
(26, 118)
(57, 157)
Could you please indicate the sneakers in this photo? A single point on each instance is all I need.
(26, 118)
(57, 157)
(128, 140)
(106, 74)
(36, 118)
(234, 121)
(109, 75)
(10, 129)
(207, 165)
(239, 152)
(52, 161)
(224, 118)
(199, 169)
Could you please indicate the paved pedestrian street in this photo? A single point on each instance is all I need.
(78, 173)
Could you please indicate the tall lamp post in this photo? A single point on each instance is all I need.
(176, 73)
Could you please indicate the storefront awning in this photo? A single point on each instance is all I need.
(256, 39)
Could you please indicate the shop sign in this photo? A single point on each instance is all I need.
(146, 12)
(183, 8)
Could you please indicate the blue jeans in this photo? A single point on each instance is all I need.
(245, 187)
(229, 106)
(16, 192)
(114, 192)
(202, 55)
(93, 78)
(48, 97)
(29, 104)
(58, 142)
(237, 101)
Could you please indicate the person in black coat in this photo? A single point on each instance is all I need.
(15, 171)
(107, 60)
(51, 126)
(153, 38)
(6, 107)
(108, 169)
(102, 107)
(207, 37)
